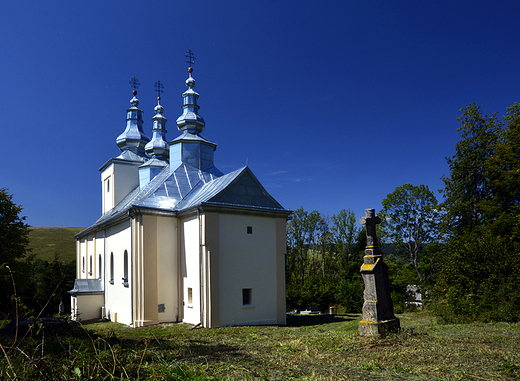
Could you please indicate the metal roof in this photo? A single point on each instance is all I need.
(87, 287)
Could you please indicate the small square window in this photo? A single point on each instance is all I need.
(249, 230)
(161, 308)
(247, 297)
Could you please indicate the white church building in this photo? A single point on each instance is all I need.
(178, 240)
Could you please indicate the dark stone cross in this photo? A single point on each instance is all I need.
(370, 221)
(378, 309)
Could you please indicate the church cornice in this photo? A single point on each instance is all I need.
(208, 207)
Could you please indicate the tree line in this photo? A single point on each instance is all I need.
(462, 254)
(28, 286)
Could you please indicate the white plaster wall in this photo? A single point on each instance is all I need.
(88, 307)
(167, 269)
(90, 261)
(247, 261)
(107, 194)
(125, 179)
(81, 257)
(118, 298)
(190, 269)
(100, 250)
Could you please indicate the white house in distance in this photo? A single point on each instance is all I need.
(179, 241)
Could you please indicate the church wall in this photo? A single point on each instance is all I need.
(190, 270)
(107, 184)
(118, 296)
(87, 307)
(118, 180)
(90, 255)
(81, 257)
(167, 272)
(281, 252)
(145, 271)
(247, 262)
(99, 258)
(210, 254)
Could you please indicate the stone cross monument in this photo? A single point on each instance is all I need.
(378, 310)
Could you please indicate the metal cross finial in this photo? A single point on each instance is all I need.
(190, 57)
(134, 83)
(159, 88)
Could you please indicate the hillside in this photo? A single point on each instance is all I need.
(45, 242)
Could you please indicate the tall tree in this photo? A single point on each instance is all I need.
(14, 238)
(411, 219)
(345, 231)
(296, 237)
(467, 189)
(480, 262)
(503, 172)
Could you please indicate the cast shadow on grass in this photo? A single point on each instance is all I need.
(309, 320)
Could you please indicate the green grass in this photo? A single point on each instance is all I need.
(45, 242)
(310, 348)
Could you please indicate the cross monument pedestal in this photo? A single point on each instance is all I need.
(378, 309)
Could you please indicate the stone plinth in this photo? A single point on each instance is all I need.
(378, 309)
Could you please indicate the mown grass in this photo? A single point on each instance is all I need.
(310, 348)
(46, 242)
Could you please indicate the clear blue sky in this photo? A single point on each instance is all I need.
(332, 104)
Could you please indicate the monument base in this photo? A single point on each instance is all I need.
(377, 328)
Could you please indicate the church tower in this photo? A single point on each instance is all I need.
(119, 175)
(157, 148)
(191, 148)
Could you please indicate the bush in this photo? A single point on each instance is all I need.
(480, 280)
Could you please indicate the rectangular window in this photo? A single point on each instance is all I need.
(247, 297)
(190, 295)
(249, 230)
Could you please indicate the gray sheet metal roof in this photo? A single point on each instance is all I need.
(87, 287)
(163, 193)
(176, 185)
(239, 189)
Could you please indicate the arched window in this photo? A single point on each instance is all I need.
(125, 269)
(100, 267)
(111, 268)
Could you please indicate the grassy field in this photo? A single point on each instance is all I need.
(45, 242)
(322, 347)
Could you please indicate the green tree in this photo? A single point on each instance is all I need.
(503, 172)
(14, 238)
(467, 190)
(344, 231)
(52, 283)
(296, 242)
(410, 218)
(480, 277)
